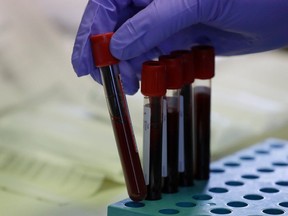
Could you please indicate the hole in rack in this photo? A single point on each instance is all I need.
(262, 151)
(186, 204)
(253, 197)
(273, 211)
(282, 183)
(265, 170)
(232, 164)
(247, 158)
(168, 211)
(237, 204)
(250, 176)
(284, 204)
(234, 183)
(277, 145)
(269, 190)
(134, 204)
(217, 170)
(202, 197)
(221, 211)
(218, 190)
(280, 164)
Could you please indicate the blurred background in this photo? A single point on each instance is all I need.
(57, 150)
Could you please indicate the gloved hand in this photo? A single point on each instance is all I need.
(233, 27)
(101, 16)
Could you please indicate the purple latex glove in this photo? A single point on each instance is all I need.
(101, 16)
(232, 26)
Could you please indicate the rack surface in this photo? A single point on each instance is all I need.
(251, 182)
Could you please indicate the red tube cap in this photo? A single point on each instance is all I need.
(204, 58)
(100, 50)
(174, 71)
(153, 79)
(188, 65)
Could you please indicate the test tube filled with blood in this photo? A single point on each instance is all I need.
(186, 162)
(119, 115)
(174, 83)
(204, 59)
(153, 87)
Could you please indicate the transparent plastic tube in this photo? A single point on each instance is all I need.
(171, 181)
(186, 174)
(153, 146)
(172, 100)
(204, 68)
(153, 87)
(186, 162)
(119, 115)
(202, 95)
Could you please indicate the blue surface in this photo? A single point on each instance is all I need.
(251, 182)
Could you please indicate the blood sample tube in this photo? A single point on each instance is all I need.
(174, 78)
(204, 59)
(153, 87)
(186, 149)
(119, 115)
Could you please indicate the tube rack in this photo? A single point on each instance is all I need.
(251, 182)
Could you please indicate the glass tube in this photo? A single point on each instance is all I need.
(153, 87)
(119, 115)
(204, 59)
(186, 94)
(172, 100)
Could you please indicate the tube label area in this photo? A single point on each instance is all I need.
(146, 143)
(181, 155)
(164, 140)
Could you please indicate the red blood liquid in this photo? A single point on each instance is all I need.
(126, 144)
(202, 133)
(130, 161)
(186, 177)
(155, 165)
(170, 183)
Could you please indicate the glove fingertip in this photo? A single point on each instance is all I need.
(95, 74)
(117, 47)
(129, 79)
(76, 64)
(129, 88)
